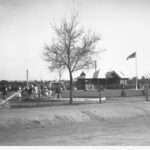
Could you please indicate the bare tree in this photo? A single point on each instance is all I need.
(72, 49)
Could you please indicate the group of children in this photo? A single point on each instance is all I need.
(37, 92)
(34, 92)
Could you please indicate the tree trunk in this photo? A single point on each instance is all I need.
(71, 88)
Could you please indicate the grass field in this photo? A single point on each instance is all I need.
(95, 94)
(105, 93)
(78, 96)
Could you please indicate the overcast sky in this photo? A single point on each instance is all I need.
(124, 26)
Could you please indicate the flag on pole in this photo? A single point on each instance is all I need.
(133, 55)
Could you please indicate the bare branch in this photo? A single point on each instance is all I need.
(73, 47)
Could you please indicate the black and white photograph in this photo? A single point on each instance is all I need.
(75, 73)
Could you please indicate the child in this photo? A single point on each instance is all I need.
(19, 95)
(58, 92)
(35, 91)
(4, 92)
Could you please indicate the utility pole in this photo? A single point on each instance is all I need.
(136, 71)
(95, 65)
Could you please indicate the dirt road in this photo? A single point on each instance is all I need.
(113, 123)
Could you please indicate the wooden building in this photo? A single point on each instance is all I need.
(112, 80)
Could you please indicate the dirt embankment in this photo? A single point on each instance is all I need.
(67, 115)
(116, 122)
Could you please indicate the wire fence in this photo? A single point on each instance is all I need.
(47, 99)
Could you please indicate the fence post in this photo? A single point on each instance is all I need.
(123, 91)
(147, 92)
(100, 96)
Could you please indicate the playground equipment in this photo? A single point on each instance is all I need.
(2, 102)
(54, 84)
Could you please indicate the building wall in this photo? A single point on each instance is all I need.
(93, 84)
(80, 84)
(90, 87)
(124, 82)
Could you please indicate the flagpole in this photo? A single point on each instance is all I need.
(134, 55)
(95, 65)
(136, 71)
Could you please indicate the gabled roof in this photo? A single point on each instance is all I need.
(101, 75)
(82, 75)
(112, 74)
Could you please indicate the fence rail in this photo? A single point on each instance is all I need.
(104, 93)
(108, 93)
